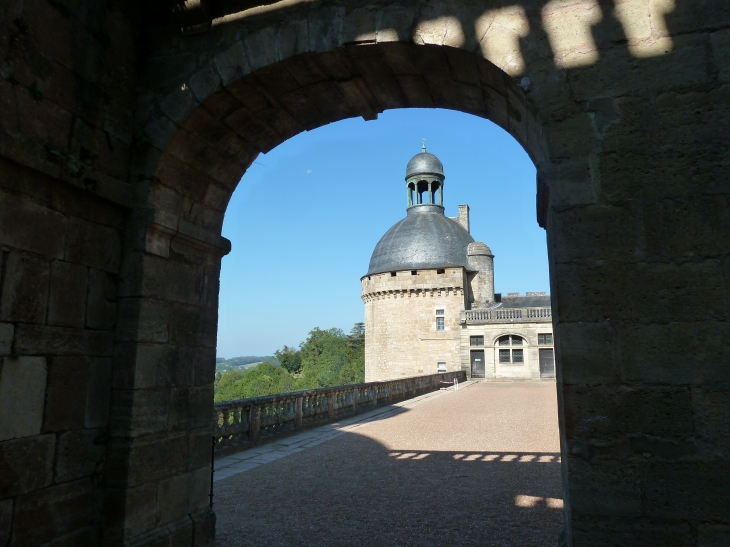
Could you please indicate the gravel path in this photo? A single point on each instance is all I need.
(479, 466)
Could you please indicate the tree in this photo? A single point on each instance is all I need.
(327, 358)
(290, 359)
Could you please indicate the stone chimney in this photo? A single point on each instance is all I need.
(463, 217)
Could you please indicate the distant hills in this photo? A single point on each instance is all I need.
(242, 363)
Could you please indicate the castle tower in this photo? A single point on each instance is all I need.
(424, 272)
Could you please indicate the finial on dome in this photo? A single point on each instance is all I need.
(423, 146)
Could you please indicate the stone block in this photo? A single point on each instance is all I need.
(204, 525)
(720, 41)
(586, 353)
(190, 408)
(690, 228)
(26, 464)
(86, 537)
(143, 320)
(6, 520)
(98, 396)
(67, 298)
(78, 455)
(173, 498)
(93, 245)
(25, 288)
(6, 338)
(140, 411)
(31, 227)
(145, 366)
(709, 409)
(688, 491)
(200, 447)
(573, 137)
(205, 366)
(611, 413)
(597, 232)
(604, 488)
(675, 353)
(36, 339)
(22, 391)
(44, 515)
(204, 83)
(231, 63)
(101, 307)
(713, 535)
(147, 458)
(156, 283)
(131, 510)
(68, 381)
(619, 75)
(184, 324)
(609, 532)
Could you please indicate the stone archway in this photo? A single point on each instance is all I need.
(607, 102)
(189, 191)
(124, 131)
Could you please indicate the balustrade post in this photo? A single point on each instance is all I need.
(299, 413)
(375, 395)
(331, 406)
(355, 395)
(254, 420)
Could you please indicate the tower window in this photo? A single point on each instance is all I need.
(440, 323)
(442, 368)
(440, 271)
(414, 272)
(439, 312)
(392, 274)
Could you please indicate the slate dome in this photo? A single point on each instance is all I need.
(424, 163)
(425, 239)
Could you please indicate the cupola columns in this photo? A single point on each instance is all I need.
(425, 179)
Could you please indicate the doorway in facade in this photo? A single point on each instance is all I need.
(477, 363)
(547, 363)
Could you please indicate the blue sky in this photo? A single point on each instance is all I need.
(305, 219)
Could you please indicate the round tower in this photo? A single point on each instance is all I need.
(417, 284)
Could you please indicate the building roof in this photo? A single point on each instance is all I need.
(424, 163)
(537, 301)
(425, 239)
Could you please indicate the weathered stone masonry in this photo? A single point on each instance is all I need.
(122, 138)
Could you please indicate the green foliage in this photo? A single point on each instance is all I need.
(290, 359)
(326, 358)
(265, 379)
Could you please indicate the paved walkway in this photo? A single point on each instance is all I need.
(479, 466)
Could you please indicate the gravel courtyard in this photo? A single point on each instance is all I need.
(479, 466)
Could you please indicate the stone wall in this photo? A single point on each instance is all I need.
(401, 339)
(118, 127)
(491, 332)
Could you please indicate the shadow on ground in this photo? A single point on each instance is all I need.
(352, 490)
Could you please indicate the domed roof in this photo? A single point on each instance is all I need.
(425, 239)
(424, 164)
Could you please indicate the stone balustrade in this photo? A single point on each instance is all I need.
(246, 422)
(501, 315)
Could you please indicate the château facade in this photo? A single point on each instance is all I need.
(429, 297)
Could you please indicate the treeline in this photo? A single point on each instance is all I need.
(326, 358)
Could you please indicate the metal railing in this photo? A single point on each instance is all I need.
(501, 315)
(246, 422)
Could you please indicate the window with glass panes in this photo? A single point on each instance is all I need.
(545, 339)
(513, 354)
(477, 341)
(440, 323)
